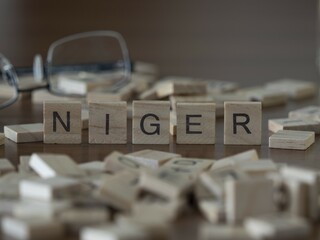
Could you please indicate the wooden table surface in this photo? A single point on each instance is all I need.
(24, 111)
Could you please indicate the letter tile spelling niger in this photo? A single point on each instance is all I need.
(62, 122)
(242, 123)
(150, 122)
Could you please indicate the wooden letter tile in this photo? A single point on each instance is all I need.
(242, 123)
(196, 123)
(108, 123)
(62, 122)
(290, 139)
(51, 165)
(293, 124)
(150, 122)
(32, 132)
(309, 113)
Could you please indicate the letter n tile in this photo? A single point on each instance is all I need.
(150, 122)
(62, 122)
(242, 123)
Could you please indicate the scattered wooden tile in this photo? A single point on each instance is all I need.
(214, 181)
(290, 139)
(165, 182)
(116, 162)
(242, 123)
(298, 197)
(213, 210)
(196, 123)
(115, 232)
(21, 133)
(177, 86)
(145, 68)
(108, 123)
(275, 125)
(149, 94)
(234, 160)
(49, 189)
(258, 168)
(150, 122)
(51, 165)
(31, 228)
(142, 81)
(95, 97)
(93, 167)
(192, 165)
(9, 184)
(309, 113)
(278, 226)
(85, 118)
(173, 123)
(2, 139)
(80, 217)
(295, 89)
(40, 209)
(151, 158)
(312, 179)
(223, 232)
(248, 197)
(23, 166)
(120, 191)
(268, 97)
(6, 166)
(220, 86)
(189, 99)
(62, 122)
(44, 95)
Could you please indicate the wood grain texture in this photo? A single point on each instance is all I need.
(289, 139)
(275, 125)
(60, 135)
(196, 123)
(108, 123)
(150, 122)
(242, 123)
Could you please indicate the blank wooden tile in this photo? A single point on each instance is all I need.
(149, 94)
(165, 182)
(220, 86)
(50, 165)
(242, 123)
(278, 226)
(29, 208)
(290, 139)
(93, 167)
(150, 122)
(311, 179)
(295, 89)
(247, 198)
(151, 158)
(169, 87)
(31, 228)
(6, 166)
(49, 188)
(2, 139)
(21, 133)
(116, 162)
(80, 217)
(108, 123)
(115, 232)
(196, 123)
(259, 168)
(189, 99)
(120, 191)
(62, 122)
(308, 113)
(275, 125)
(142, 81)
(223, 232)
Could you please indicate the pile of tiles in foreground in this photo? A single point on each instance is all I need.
(142, 195)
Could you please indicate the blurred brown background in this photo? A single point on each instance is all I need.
(247, 41)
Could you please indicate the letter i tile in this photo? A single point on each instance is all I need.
(242, 123)
(150, 122)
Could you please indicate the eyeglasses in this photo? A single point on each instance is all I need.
(76, 64)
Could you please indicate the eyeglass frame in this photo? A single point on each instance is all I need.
(46, 70)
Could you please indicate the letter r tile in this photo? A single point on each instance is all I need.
(196, 123)
(150, 122)
(242, 123)
(62, 122)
